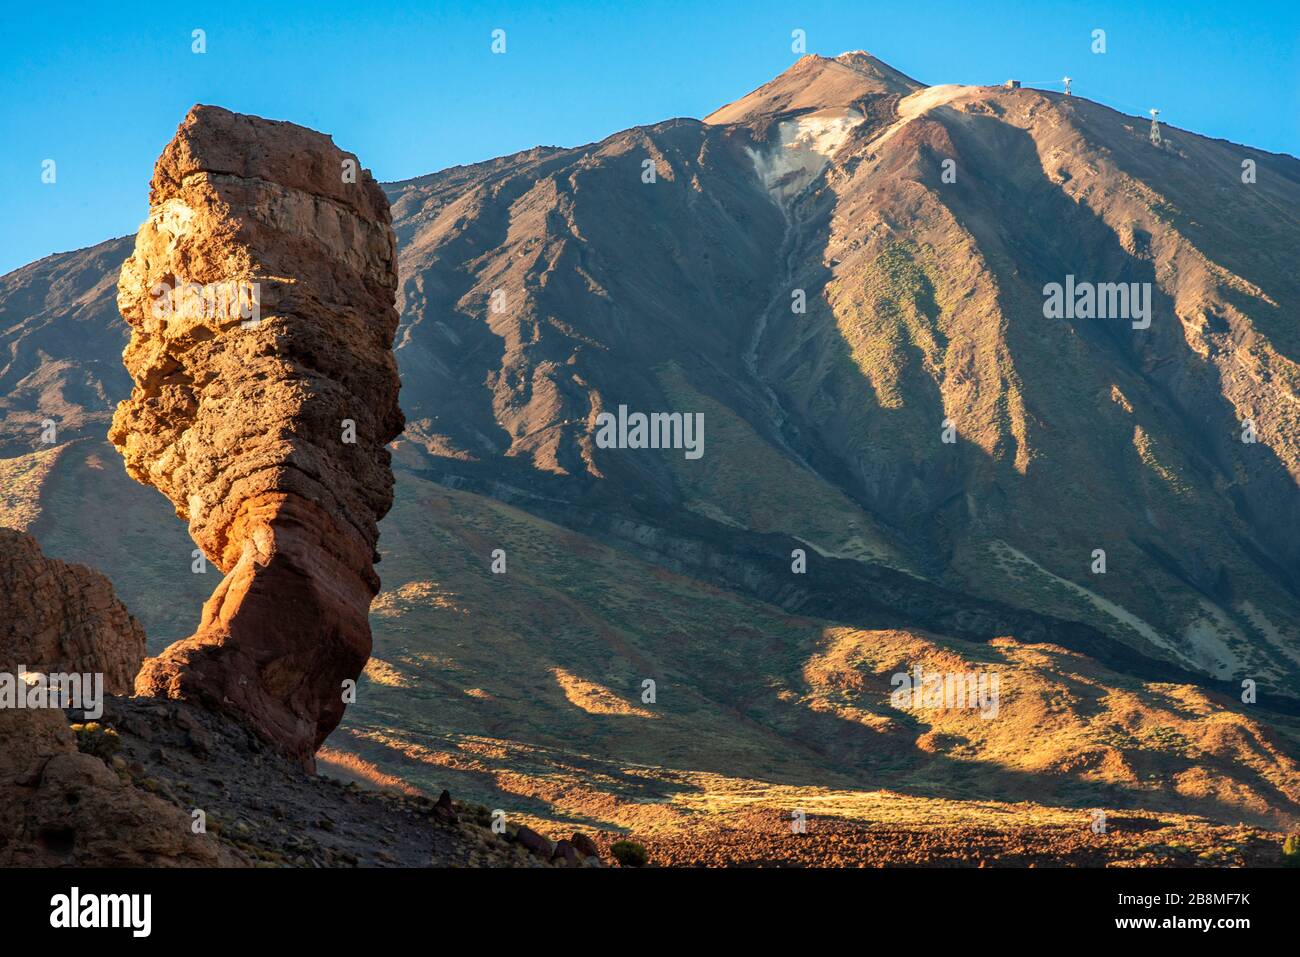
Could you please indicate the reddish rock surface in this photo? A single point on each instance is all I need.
(57, 617)
(57, 804)
(244, 425)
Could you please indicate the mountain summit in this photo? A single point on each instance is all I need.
(818, 83)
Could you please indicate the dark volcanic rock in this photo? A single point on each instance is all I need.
(539, 845)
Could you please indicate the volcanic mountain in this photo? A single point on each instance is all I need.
(908, 458)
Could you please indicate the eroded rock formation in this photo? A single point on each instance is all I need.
(266, 428)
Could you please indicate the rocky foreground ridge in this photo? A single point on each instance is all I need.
(152, 782)
(58, 804)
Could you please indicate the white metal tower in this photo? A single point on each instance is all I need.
(1155, 127)
(1067, 85)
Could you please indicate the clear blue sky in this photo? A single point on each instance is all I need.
(413, 88)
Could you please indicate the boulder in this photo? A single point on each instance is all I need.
(584, 845)
(536, 843)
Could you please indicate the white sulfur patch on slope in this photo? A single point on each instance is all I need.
(920, 103)
(806, 144)
(923, 101)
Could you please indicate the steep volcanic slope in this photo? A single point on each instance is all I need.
(266, 429)
(922, 306)
(541, 294)
(545, 288)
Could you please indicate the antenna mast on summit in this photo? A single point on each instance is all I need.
(1067, 85)
(1155, 127)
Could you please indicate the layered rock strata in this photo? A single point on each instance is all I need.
(261, 301)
